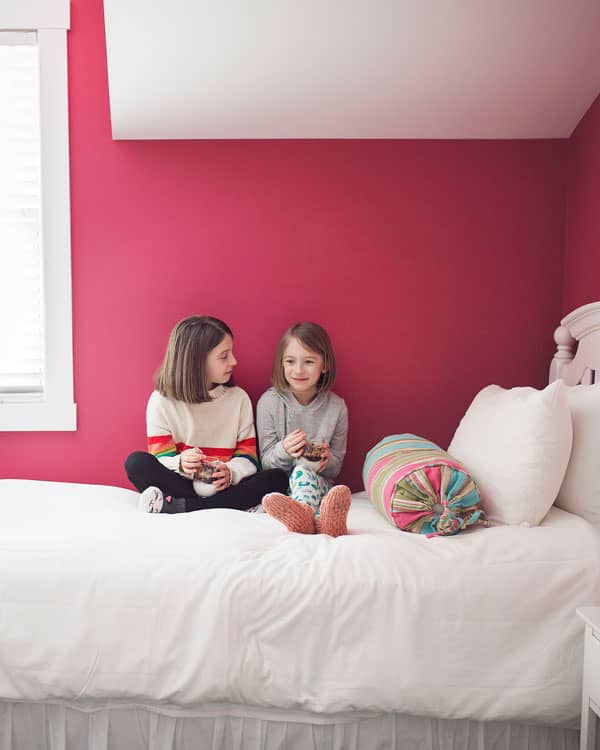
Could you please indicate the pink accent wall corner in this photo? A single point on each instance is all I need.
(582, 223)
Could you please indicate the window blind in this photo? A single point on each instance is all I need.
(21, 266)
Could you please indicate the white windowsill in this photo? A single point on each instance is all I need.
(24, 417)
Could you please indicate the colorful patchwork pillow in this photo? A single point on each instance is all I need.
(419, 487)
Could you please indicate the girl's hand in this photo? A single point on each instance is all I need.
(325, 457)
(221, 476)
(294, 443)
(190, 460)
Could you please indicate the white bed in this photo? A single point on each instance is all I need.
(222, 630)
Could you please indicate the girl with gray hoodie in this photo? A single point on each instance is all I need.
(302, 428)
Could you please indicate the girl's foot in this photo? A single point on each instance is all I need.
(334, 511)
(295, 516)
(152, 500)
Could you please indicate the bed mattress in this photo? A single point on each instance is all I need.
(101, 602)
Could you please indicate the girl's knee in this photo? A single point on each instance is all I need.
(278, 478)
(137, 461)
(303, 473)
(310, 474)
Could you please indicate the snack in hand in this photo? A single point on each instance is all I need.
(313, 451)
(205, 471)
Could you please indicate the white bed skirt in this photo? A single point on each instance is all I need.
(45, 726)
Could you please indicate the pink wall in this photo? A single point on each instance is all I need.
(435, 266)
(582, 230)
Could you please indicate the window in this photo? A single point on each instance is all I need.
(36, 361)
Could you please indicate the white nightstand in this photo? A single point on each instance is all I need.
(590, 701)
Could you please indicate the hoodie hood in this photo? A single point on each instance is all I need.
(293, 406)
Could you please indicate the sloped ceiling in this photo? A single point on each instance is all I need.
(351, 69)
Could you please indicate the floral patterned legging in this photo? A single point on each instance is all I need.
(308, 487)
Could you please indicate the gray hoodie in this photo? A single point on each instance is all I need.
(325, 419)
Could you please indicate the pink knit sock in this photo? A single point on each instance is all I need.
(294, 515)
(334, 510)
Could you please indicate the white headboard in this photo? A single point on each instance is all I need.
(577, 358)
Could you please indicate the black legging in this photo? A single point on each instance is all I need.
(145, 470)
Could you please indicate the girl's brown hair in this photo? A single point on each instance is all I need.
(182, 374)
(313, 337)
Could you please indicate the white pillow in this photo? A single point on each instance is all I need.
(516, 444)
(580, 490)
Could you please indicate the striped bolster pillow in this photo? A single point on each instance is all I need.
(419, 487)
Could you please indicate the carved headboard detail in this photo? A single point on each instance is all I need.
(577, 358)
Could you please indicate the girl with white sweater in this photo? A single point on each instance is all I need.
(201, 438)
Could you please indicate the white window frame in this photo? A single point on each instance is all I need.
(56, 410)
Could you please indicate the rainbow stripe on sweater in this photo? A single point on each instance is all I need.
(163, 445)
(247, 449)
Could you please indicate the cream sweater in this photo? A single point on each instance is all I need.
(222, 428)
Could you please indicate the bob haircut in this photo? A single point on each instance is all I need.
(313, 337)
(182, 374)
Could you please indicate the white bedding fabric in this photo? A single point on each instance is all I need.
(61, 727)
(100, 601)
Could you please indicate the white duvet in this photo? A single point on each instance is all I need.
(99, 601)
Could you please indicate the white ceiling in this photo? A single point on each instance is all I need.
(351, 68)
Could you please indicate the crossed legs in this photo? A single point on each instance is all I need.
(305, 512)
